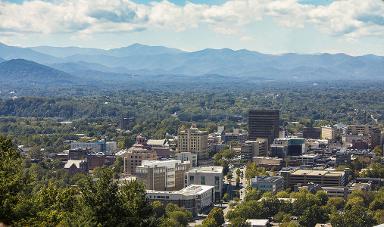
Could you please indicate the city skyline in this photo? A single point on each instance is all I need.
(284, 26)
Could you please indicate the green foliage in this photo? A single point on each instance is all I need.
(312, 215)
(175, 216)
(253, 170)
(215, 218)
(355, 216)
(12, 181)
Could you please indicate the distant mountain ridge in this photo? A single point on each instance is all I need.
(27, 72)
(140, 59)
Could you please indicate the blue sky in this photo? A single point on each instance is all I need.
(269, 26)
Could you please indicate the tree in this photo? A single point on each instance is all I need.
(229, 176)
(136, 209)
(100, 196)
(253, 194)
(12, 182)
(215, 218)
(322, 197)
(158, 209)
(238, 172)
(335, 203)
(175, 216)
(118, 167)
(226, 197)
(355, 216)
(312, 215)
(253, 170)
(378, 151)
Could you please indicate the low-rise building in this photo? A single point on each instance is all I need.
(322, 177)
(251, 149)
(268, 183)
(207, 175)
(237, 135)
(96, 147)
(269, 163)
(76, 166)
(194, 198)
(161, 147)
(134, 156)
(339, 191)
(187, 157)
(327, 133)
(312, 133)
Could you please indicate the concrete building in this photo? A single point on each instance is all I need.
(279, 148)
(263, 124)
(269, 163)
(207, 175)
(193, 140)
(339, 191)
(126, 123)
(96, 160)
(358, 129)
(187, 157)
(161, 147)
(367, 133)
(266, 183)
(343, 157)
(251, 149)
(98, 146)
(305, 160)
(322, 177)
(194, 198)
(312, 132)
(134, 156)
(162, 175)
(296, 146)
(375, 138)
(237, 135)
(327, 133)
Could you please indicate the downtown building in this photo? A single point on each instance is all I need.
(194, 198)
(135, 155)
(207, 175)
(263, 124)
(165, 175)
(193, 140)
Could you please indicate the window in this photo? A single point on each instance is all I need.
(202, 180)
(217, 182)
(191, 179)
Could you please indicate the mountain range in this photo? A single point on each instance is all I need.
(72, 64)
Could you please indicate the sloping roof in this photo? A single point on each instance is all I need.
(156, 142)
(70, 163)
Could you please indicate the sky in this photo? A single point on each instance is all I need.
(354, 27)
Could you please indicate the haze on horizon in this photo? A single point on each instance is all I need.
(267, 26)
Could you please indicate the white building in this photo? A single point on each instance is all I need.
(207, 175)
(165, 175)
(194, 198)
(187, 156)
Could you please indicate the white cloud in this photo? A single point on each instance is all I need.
(349, 18)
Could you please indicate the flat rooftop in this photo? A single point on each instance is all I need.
(208, 169)
(314, 172)
(192, 189)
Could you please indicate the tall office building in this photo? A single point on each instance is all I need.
(193, 140)
(263, 124)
